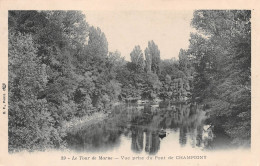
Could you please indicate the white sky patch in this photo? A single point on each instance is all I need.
(170, 30)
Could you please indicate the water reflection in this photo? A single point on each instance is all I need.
(152, 142)
(142, 127)
(94, 138)
(137, 139)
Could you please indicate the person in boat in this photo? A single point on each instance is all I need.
(162, 133)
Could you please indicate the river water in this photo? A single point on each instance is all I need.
(148, 129)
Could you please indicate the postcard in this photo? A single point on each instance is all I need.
(153, 82)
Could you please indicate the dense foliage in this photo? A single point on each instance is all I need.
(221, 53)
(60, 68)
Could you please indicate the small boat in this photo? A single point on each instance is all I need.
(139, 101)
(142, 101)
(162, 133)
(155, 105)
(140, 107)
(157, 100)
(145, 101)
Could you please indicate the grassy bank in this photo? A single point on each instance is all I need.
(79, 122)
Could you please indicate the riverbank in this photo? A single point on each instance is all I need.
(78, 122)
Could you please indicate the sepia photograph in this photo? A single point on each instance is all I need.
(128, 85)
(100, 82)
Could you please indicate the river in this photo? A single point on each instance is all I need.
(148, 129)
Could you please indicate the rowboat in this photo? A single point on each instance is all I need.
(162, 133)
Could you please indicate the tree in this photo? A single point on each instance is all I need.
(30, 125)
(152, 53)
(222, 63)
(184, 62)
(97, 45)
(137, 58)
(148, 61)
(115, 63)
(55, 75)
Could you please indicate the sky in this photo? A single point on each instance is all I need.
(170, 30)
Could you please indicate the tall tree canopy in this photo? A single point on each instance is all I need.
(152, 53)
(137, 58)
